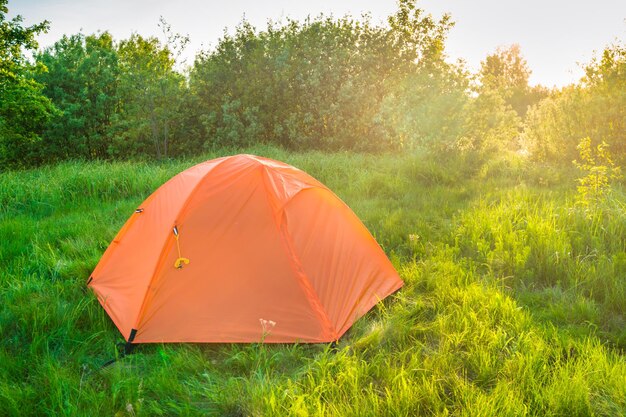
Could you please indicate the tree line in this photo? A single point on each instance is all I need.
(321, 83)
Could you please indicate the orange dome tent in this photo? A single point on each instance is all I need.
(241, 249)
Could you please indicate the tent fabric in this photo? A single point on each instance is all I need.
(274, 256)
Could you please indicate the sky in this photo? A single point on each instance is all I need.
(555, 36)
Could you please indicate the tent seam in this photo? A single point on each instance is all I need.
(303, 279)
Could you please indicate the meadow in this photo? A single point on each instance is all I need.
(513, 304)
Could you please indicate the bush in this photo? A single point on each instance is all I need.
(595, 108)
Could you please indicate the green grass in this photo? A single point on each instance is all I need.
(514, 304)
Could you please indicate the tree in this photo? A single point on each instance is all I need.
(151, 92)
(605, 78)
(594, 108)
(505, 69)
(426, 109)
(490, 125)
(507, 72)
(321, 83)
(417, 36)
(24, 110)
(82, 81)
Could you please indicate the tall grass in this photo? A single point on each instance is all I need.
(514, 304)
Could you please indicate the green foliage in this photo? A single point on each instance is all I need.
(426, 108)
(507, 72)
(24, 110)
(237, 126)
(116, 100)
(490, 125)
(492, 117)
(594, 108)
(151, 100)
(505, 69)
(599, 169)
(513, 303)
(322, 83)
(82, 82)
(24, 113)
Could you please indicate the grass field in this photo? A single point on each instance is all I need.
(514, 303)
